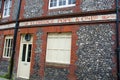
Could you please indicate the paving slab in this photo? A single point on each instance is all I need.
(3, 79)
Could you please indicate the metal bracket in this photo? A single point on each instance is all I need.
(118, 49)
(118, 74)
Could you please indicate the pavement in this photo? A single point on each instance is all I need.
(3, 79)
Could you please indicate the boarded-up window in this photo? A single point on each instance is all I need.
(58, 48)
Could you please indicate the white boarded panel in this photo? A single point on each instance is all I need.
(58, 56)
(58, 48)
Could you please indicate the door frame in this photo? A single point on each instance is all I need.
(20, 53)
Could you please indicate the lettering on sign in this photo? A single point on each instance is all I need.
(62, 20)
(69, 20)
(7, 26)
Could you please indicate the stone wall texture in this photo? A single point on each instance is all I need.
(35, 75)
(33, 8)
(15, 8)
(3, 63)
(56, 74)
(93, 5)
(95, 52)
(59, 12)
(4, 67)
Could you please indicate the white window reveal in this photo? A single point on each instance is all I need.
(58, 48)
(7, 7)
(61, 3)
(7, 52)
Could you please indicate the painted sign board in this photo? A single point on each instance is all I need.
(70, 20)
(5, 26)
(78, 19)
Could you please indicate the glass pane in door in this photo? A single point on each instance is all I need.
(29, 52)
(24, 52)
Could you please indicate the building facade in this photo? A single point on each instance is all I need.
(60, 39)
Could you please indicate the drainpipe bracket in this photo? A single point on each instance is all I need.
(118, 74)
(118, 49)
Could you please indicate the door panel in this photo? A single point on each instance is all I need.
(24, 59)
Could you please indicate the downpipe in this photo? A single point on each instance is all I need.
(117, 40)
(14, 40)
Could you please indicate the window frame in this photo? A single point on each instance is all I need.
(4, 54)
(27, 43)
(7, 9)
(63, 6)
